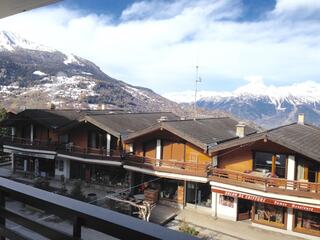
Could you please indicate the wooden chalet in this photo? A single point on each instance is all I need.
(178, 152)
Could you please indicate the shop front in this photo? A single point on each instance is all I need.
(307, 222)
(268, 214)
(266, 211)
(198, 194)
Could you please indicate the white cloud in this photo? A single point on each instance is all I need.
(157, 44)
(297, 9)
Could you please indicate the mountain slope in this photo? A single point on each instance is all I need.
(268, 106)
(32, 75)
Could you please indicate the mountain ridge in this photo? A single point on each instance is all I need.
(33, 76)
(268, 106)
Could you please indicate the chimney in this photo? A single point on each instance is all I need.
(240, 129)
(301, 118)
(103, 106)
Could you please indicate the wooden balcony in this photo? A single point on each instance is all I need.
(90, 153)
(170, 166)
(28, 144)
(273, 185)
(67, 149)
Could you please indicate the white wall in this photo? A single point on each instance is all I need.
(224, 212)
(291, 167)
(66, 170)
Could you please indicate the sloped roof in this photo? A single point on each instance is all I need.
(301, 138)
(125, 123)
(53, 119)
(201, 132)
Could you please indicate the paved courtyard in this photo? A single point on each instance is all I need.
(221, 229)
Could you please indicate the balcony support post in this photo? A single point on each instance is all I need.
(77, 228)
(291, 169)
(31, 133)
(158, 152)
(108, 138)
(273, 166)
(13, 133)
(12, 163)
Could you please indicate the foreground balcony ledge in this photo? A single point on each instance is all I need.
(168, 166)
(272, 185)
(81, 214)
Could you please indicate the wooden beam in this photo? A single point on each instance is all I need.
(273, 167)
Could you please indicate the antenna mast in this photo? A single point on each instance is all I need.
(198, 80)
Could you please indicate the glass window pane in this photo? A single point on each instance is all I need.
(281, 165)
(263, 162)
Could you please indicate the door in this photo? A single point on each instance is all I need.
(244, 209)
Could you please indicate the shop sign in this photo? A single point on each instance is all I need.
(267, 200)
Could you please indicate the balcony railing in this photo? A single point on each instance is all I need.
(80, 215)
(171, 166)
(96, 153)
(26, 142)
(68, 149)
(274, 185)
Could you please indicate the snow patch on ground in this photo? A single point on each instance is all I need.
(56, 88)
(137, 93)
(39, 73)
(72, 59)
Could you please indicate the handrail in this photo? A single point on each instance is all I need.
(81, 214)
(192, 167)
(68, 147)
(268, 183)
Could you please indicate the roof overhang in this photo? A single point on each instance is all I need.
(245, 141)
(11, 7)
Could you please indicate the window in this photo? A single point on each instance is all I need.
(64, 138)
(59, 165)
(269, 214)
(307, 170)
(281, 161)
(226, 201)
(307, 221)
(263, 163)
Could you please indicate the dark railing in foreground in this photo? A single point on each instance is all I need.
(81, 214)
(274, 185)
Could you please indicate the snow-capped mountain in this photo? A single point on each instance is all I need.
(32, 75)
(268, 106)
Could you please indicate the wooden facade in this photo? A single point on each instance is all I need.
(242, 159)
(172, 148)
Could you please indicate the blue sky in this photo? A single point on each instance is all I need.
(158, 43)
(254, 9)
